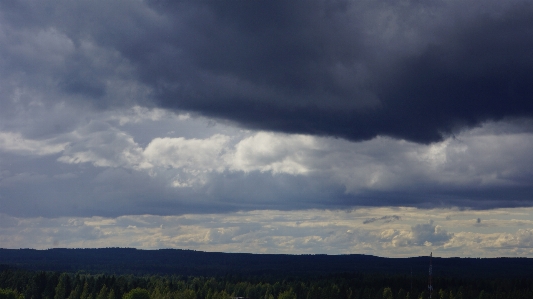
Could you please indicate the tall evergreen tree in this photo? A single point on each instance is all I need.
(62, 289)
(103, 293)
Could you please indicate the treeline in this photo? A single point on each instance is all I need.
(22, 284)
(197, 263)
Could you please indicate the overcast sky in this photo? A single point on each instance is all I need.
(392, 128)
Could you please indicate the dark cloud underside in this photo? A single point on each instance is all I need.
(353, 69)
(328, 68)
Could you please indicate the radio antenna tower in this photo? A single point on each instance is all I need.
(430, 286)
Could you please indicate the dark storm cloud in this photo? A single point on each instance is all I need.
(353, 69)
(71, 71)
(328, 67)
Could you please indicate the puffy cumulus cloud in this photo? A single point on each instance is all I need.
(485, 159)
(481, 158)
(273, 231)
(103, 146)
(194, 154)
(195, 106)
(426, 234)
(162, 158)
(192, 159)
(277, 153)
(222, 235)
(255, 231)
(523, 238)
(423, 234)
(515, 243)
(377, 164)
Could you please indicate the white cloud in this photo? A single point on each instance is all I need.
(276, 153)
(270, 231)
(195, 155)
(193, 159)
(135, 169)
(138, 114)
(103, 146)
(16, 143)
(423, 234)
(523, 238)
(475, 158)
(79, 135)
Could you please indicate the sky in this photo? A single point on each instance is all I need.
(391, 128)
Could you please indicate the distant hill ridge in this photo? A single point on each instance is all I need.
(190, 262)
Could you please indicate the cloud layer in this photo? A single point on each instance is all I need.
(112, 165)
(180, 108)
(290, 232)
(411, 70)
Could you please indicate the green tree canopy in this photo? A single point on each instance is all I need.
(137, 293)
(8, 294)
(287, 295)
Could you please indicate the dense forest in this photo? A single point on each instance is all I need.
(19, 284)
(125, 273)
(198, 263)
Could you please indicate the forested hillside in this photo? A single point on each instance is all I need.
(115, 273)
(19, 284)
(197, 263)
